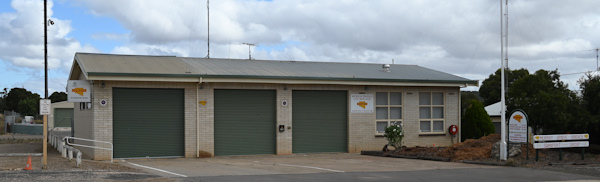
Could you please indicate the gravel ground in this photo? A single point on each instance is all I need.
(479, 152)
(61, 169)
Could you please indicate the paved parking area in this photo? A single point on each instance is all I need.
(286, 164)
(338, 167)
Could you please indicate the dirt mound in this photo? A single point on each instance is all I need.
(471, 149)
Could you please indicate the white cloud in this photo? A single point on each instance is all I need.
(22, 42)
(459, 37)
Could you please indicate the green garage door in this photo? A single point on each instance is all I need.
(63, 117)
(319, 121)
(148, 122)
(244, 122)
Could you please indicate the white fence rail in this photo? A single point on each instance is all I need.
(89, 146)
(60, 145)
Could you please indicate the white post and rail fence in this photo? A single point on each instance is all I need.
(574, 140)
(64, 145)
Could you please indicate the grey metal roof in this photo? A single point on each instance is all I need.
(170, 66)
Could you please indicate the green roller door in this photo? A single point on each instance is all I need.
(148, 122)
(63, 117)
(319, 121)
(244, 122)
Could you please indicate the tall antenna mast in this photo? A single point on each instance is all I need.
(249, 53)
(208, 27)
(597, 68)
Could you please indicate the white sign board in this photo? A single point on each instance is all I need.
(45, 107)
(561, 137)
(560, 145)
(78, 91)
(361, 103)
(517, 127)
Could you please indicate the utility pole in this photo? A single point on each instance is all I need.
(249, 48)
(45, 142)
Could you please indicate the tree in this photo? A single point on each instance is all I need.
(16, 100)
(590, 93)
(552, 108)
(2, 102)
(490, 87)
(58, 97)
(476, 122)
(29, 106)
(465, 97)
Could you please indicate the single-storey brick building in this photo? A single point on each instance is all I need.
(166, 106)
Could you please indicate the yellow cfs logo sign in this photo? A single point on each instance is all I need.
(79, 91)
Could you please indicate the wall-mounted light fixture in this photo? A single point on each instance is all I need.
(201, 86)
(285, 87)
(103, 85)
(366, 88)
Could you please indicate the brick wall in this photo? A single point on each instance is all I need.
(103, 116)
(361, 126)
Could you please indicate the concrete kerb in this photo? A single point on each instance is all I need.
(382, 154)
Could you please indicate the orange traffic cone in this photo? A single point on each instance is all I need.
(28, 164)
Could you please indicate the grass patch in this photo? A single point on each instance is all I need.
(11, 141)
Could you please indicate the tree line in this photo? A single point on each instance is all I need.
(552, 108)
(25, 102)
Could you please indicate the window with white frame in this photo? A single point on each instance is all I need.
(388, 110)
(431, 112)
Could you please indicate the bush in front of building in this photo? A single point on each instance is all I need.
(476, 122)
(393, 134)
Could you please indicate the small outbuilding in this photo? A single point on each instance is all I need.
(495, 112)
(167, 106)
(61, 116)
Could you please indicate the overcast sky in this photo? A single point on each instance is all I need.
(460, 37)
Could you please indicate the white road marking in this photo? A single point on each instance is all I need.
(157, 169)
(310, 167)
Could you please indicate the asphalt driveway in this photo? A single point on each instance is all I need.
(286, 164)
(336, 167)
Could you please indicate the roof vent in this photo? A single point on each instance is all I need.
(386, 68)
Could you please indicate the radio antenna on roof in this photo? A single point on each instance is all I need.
(249, 53)
(208, 27)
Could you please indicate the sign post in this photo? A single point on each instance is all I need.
(518, 128)
(45, 111)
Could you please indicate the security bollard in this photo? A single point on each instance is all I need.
(78, 159)
(70, 154)
(64, 150)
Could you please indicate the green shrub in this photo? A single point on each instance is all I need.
(394, 134)
(476, 122)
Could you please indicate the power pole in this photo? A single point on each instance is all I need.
(249, 48)
(45, 142)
